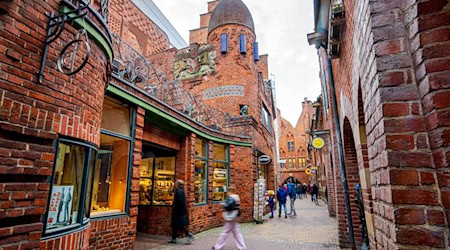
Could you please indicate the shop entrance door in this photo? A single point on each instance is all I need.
(156, 184)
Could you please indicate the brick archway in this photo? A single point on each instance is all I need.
(353, 178)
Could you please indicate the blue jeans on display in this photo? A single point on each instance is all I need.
(285, 209)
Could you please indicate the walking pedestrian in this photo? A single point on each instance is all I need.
(315, 192)
(179, 214)
(281, 197)
(311, 191)
(231, 212)
(305, 190)
(292, 195)
(299, 189)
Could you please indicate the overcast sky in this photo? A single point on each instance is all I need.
(281, 28)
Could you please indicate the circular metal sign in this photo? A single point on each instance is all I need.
(308, 171)
(264, 159)
(318, 143)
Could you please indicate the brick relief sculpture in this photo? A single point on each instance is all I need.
(195, 61)
(230, 90)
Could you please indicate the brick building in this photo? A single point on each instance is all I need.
(90, 146)
(295, 155)
(386, 64)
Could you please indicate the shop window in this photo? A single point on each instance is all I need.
(220, 171)
(157, 179)
(164, 180)
(111, 173)
(200, 171)
(69, 193)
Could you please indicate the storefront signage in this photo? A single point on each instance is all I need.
(318, 143)
(308, 171)
(264, 159)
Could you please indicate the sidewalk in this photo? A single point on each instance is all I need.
(311, 229)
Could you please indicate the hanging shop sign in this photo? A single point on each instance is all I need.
(318, 143)
(264, 159)
(308, 171)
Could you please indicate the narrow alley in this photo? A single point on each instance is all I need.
(311, 229)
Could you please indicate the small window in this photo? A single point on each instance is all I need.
(224, 43)
(220, 171)
(243, 109)
(256, 51)
(200, 171)
(242, 44)
(265, 117)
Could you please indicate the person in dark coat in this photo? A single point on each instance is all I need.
(179, 214)
(281, 197)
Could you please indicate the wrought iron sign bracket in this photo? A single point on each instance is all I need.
(55, 27)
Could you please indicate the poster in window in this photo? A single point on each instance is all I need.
(60, 206)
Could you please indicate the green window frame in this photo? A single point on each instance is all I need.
(201, 165)
(221, 168)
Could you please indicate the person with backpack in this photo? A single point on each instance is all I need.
(281, 197)
(292, 196)
(231, 211)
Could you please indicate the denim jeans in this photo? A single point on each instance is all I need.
(293, 207)
(285, 209)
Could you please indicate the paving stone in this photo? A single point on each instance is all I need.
(311, 229)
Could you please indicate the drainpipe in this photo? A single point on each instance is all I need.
(341, 152)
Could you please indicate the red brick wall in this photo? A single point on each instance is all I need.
(34, 114)
(428, 30)
(73, 241)
(135, 28)
(393, 55)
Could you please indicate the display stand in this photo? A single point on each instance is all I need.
(259, 201)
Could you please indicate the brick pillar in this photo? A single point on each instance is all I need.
(428, 29)
(402, 167)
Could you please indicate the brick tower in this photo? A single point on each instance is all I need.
(232, 31)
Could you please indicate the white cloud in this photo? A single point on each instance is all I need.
(281, 28)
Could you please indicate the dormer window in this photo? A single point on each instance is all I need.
(242, 44)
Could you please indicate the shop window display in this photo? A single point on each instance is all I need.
(200, 171)
(157, 181)
(220, 171)
(68, 182)
(110, 177)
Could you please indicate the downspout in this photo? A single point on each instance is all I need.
(341, 151)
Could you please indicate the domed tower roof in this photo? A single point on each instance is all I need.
(231, 12)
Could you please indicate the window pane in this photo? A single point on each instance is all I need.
(220, 180)
(200, 147)
(110, 178)
(116, 117)
(145, 182)
(220, 152)
(87, 204)
(67, 183)
(200, 181)
(164, 180)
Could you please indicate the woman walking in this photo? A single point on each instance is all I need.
(230, 214)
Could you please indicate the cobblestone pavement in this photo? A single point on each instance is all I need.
(311, 229)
